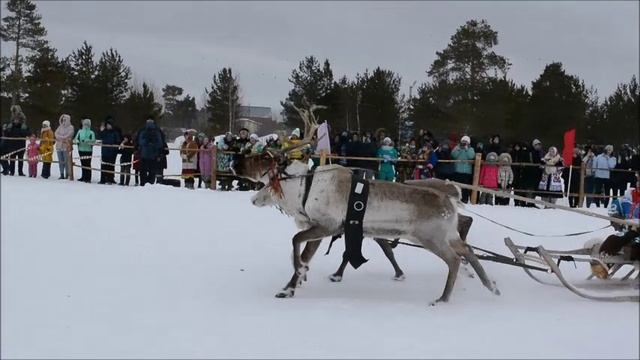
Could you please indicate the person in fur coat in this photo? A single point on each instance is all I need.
(505, 177)
(205, 160)
(188, 152)
(46, 148)
(551, 181)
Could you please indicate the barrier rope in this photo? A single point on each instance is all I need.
(8, 155)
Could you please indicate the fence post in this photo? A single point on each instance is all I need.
(70, 164)
(476, 178)
(583, 170)
(323, 157)
(214, 167)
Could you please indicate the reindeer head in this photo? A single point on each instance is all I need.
(256, 167)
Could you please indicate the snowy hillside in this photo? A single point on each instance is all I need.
(158, 272)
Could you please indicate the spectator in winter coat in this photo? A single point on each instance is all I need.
(428, 161)
(85, 138)
(587, 162)
(64, 139)
(505, 177)
(624, 176)
(489, 176)
(406, 169)
(389, 154)
(294, 140)
(188, 153)
(110, 137)
(126, 153)
(571, 184)
(205, 160)
(524, 177)
(46, 148)
(463, 168)
(602, 166)
(551, 181)
(444, 170)
(17, 129)
(33, 150)
(253, 146)
(224, 160)
(494, 145)
(150, 147)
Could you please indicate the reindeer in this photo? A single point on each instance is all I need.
(420, 214)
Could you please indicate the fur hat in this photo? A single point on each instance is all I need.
(46, 124)
(387, 141)
(296, 132)
(492, 157)
(608, 148)
(86, 122)
(536, 142)
(253, 137)
(465, 139)
(504, 158)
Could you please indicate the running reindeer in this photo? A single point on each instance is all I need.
(318, 203)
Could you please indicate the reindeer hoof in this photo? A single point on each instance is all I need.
(400, 277)
(467, 272)
(335, 278)
(495, 290)
(286, 293)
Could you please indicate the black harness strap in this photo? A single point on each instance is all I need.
(307, 186)
(353, 232)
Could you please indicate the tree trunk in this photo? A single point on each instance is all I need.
(16, 78)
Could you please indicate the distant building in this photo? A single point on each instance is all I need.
(257, 119)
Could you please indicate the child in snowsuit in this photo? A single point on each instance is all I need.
(505, 177)
(489, 177)
(387, 171)
(126, 153)
(33, 150)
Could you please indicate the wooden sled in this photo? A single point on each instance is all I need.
(551, 260)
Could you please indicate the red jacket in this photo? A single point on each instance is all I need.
(489, 176)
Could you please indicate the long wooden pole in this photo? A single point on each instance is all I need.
(583, 171)
(476, 178)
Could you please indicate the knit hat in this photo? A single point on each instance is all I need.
(492, 157)
(296, 132)
(387, 141)
(46, 124)
(465, 139)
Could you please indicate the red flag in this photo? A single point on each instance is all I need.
(569, 145)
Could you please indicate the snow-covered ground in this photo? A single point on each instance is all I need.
(159, 272)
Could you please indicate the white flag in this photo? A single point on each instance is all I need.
(323, 139)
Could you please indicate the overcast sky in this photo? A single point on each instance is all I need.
(185, 43)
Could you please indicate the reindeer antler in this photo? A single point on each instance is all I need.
(310, 122)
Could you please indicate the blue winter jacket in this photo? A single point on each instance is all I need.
(150, 142)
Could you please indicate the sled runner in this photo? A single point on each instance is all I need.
(604, 267)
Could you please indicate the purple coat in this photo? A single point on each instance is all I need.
(205, 159)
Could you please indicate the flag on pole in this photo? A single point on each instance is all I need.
(569, 145)
(324, 142)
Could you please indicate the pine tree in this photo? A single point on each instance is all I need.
(82, 99)
(621, 115)
(380, 103)
(185, 111)
(313, 82)
(170, 94)
(112, 81)
(23, 27)
(558, 102)
(223, 101)
(138, 106)
(45, 85)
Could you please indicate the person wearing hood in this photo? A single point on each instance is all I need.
(489, 178)
(149, 145)
(85, 138)
(551, 182)
(294, 140)
(389, 155)
(463, 152)
(188, 153)
(505, 177)
(444, 170)
(109, 136)
(64, 145)
(46, 148)
(205, 161)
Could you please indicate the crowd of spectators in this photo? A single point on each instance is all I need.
(527, 168)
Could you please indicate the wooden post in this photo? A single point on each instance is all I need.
(70, 164)
(476, 178)
(323, 157)
(583, 171)
(214, 167)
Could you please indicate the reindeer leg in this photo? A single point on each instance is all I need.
(445, 252)
(388, 252)
(463, 249)
(337, 276)
(313, 236)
